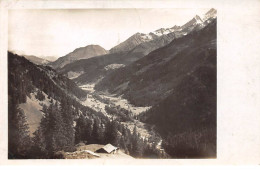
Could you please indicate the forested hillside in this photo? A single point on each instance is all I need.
(26, 78)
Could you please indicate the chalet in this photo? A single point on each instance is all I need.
(108, 149)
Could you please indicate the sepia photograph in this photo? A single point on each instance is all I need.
(112, 83)
(92, 85)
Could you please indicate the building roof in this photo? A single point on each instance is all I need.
(108, 148)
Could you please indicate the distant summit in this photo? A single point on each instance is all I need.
(79, 53)
(212, 13)
(196, 20)
(131, 42)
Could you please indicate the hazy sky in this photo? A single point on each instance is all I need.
(58, 32)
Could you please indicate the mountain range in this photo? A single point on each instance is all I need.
(132, 49)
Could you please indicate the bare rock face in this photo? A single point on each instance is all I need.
(79, 53)
(212, 13)
(144, 40)
(147, 47)
(131, 42)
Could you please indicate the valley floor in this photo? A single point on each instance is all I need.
(118, 101)
(99, 105)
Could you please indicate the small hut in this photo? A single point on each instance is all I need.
(108, 149)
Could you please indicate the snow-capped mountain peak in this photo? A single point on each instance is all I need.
(198, 19)
(175, 28)
(162, 31)
(212, 13)
(146, 37)
(193, 22)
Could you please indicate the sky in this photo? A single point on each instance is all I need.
(50, 32)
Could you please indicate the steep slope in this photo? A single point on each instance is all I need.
(193, 102)
(31, 86)
(131, 42)
(146, 47)
(79, 53)
(37, 75)
(195, 21)
(153, 77)
(32, 109)
(187, 117)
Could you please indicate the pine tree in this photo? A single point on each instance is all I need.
(40, 96)
(136, 149)
(18, 131)
(122, 144)
(59, 136)
(111, 133)
(97, 132)
(83, 130)
(67, 116)
(52, 126)
(88, 131)
(80, 129)
(38, 149)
